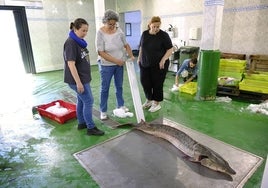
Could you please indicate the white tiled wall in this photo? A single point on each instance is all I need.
(244, 26)
(49, 28)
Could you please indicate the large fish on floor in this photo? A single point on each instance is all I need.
(194, 150)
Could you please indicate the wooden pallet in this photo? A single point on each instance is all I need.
(253, 95)
(234, 92)
(233, 56)
(258, 63)
(228, 90)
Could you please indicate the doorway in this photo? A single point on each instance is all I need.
(131, 25)
(16, 59)
(15, 46)
(9, 47)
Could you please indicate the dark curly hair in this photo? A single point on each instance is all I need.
(77, 24)
(194, 61)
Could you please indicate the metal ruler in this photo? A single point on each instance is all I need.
(135, 91)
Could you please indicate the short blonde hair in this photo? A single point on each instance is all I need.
(153, 20)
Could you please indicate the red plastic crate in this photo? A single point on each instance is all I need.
(60, 119)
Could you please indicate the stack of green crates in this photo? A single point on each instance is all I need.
(232, 69)
(257, 82)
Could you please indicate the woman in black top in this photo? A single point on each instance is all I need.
(155, 50)
(77, 74)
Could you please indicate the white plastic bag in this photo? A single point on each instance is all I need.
(176, 88)
(118, 112)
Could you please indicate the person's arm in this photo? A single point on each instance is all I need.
(165, 57)
(182, 67)
(177, 79)
(190, 79)
(139, 59)
(193, 76)
(129, 52)
(139, 56)
(110, 58)
(79, 85)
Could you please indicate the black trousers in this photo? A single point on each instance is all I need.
(152, 80)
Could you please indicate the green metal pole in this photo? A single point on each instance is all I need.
(207, 81)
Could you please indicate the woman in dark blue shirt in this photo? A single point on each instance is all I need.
(77, 74)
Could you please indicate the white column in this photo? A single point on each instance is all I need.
(211, 30)
(99, 8)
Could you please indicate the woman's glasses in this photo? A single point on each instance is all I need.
(111, 24)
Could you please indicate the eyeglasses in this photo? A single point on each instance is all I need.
(111, 24)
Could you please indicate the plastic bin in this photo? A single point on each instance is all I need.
(233, 63)
(256, 86)
(174, 61)
(261, 76)
(190, 88)
(58, 118)
(187, 52)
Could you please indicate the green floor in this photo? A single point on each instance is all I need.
(39, 152)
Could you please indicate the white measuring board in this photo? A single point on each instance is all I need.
(135, 90)
(264, 182)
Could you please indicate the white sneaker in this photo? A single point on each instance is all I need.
(147, 104)
(124, 108)
(103, 116)
(155, 107)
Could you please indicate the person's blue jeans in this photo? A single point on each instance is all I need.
(84, 106)
(107, 72)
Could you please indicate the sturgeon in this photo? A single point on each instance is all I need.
(194, 150)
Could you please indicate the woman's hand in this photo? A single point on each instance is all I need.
(120, 62)
(162, 64)
(80, 88)
(132, 58)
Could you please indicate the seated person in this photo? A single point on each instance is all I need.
(188, 71)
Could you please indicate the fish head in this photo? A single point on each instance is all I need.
(143, 125)
(146, 127)
(217, 164)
